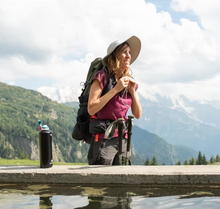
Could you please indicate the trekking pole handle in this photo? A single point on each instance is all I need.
(120, 130)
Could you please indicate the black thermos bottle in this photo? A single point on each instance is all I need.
(45, 143)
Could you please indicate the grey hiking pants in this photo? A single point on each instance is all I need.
(105, 151)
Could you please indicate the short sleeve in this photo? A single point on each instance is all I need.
(101, 76)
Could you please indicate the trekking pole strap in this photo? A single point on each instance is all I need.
(110, 131)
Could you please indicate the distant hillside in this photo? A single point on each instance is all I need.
(181, 122)
(20, 110)
(147, 144)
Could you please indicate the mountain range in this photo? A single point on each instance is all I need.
(179, 121)
(19, 132)
(147, 145)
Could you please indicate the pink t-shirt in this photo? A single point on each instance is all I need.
(117, 107)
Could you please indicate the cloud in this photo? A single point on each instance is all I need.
(59, 39)
(198, 90)
(207, 11)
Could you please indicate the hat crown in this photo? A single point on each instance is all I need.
(113, 46)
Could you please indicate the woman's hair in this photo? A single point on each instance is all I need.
(113, 59)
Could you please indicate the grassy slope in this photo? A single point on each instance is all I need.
(31, 162)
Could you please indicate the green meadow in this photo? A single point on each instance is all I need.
(31, 162)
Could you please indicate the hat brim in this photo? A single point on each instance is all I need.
(135, 47)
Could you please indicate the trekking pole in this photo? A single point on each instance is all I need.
(120, 136)
(130, 125)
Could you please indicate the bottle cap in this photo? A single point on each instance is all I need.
(45, 127)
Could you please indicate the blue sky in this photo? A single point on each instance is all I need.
(164, 5)
(48, 45)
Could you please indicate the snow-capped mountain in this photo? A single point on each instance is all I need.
(178, 120)
(61, 95)
(182, 122)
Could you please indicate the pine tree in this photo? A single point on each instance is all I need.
(212, 160)
(217, 159)
(199, 159)
(192, 161)
(178, 163)
(186, 162)
(154, 161)
(147, 162)
(204, 161)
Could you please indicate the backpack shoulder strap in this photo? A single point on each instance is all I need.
(111, 81)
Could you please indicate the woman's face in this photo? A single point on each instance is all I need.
(125, 58)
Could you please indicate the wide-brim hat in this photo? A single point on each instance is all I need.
(134, 44)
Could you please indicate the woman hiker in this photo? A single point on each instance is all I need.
(116, 102)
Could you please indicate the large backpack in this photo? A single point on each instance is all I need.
(81, 128)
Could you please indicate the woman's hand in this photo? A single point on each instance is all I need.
(122, 83)
(125, 82)
(132, 85)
